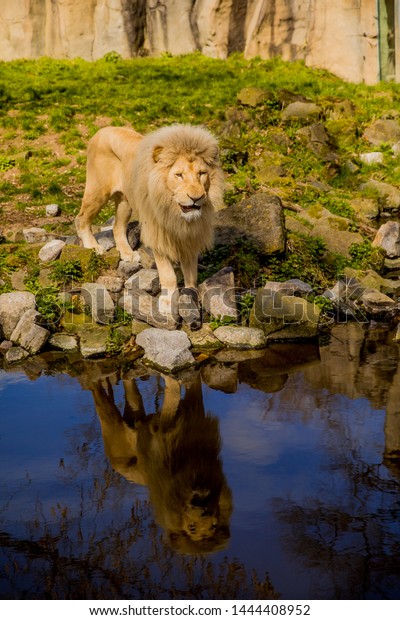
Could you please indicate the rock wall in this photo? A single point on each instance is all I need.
(340, 36)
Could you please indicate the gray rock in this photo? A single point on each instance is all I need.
(146, 258)
(72, 240)
(113, 284)
(345, 296)
(63, 342)
(252, 96)
(28, 334)
(300, 111)
(294, 286)
(12, 307)
(105, 239)
(383, 131)
(241, 337)
(53, 210)
(93, 341)
(128, 268)
(144, 280)
(100, 302)
(376, 157)
(284, 317)
(319, 142)
(389, 193)
(377, 304)
(258, 219)
(15, 355)
(388, 238)
(18, 279)
(133, 234)
(202, 338)
(36, 235)
(144, 307)
(218, 294)
(165, 349)
(51, 250)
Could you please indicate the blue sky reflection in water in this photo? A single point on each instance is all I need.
(304, 499)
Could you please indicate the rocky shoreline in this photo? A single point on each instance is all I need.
(276, 312)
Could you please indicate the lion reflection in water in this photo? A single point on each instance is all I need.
(175, 452)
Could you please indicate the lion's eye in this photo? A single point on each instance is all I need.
(179, 175)
(202, 172)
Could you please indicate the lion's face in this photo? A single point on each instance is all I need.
(188, 180)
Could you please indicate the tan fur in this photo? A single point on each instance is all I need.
(176, 454)
(161, 178)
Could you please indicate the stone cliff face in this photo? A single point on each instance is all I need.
(341, 36)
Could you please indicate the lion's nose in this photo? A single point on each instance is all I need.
(197, 198)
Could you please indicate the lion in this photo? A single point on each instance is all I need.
(175, 452)
(170, 180)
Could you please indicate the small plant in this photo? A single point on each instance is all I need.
(95, 266)
(6, 163)
(221, 321)
(115, 342)
(364, 256)
(49, 306)
(67, 272)
(245, 303)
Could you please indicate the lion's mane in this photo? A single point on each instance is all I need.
(162, 226)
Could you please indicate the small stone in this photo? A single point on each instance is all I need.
(252, 96)
(218, 294)
(389, 193)
(144, 280)
(52, 210)
(35, 235)
(63, 342)
(241, 337)
(300, 110)
(128, 268)
(113, 284)
(146, 258)
(388, 238)
(376, 157)
(51, 250)
(202, 338)
(144, 307)
(16, 354)
(105, 239)
(5, 345)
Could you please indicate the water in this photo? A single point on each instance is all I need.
(267, 475)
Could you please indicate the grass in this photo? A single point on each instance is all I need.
(50, 108)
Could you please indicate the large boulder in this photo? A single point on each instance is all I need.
(383, 131)
(28, 334)
(12, 307)
(284, 317)
(388, 238)
(167, 350)
(100, 302)
(258, 219)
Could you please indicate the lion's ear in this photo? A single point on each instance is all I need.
(157, 153)
(211, 157)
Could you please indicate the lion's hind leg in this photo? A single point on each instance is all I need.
(92, 203)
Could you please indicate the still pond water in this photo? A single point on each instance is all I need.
(271, 474)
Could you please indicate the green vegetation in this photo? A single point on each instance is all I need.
(50, 108)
